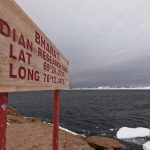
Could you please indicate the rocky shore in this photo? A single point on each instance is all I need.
(28, 133)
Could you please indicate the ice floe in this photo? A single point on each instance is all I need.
(126, 133)
(146, 146)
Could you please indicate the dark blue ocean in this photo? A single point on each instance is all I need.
(91, 112)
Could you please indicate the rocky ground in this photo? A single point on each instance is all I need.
(27, 133)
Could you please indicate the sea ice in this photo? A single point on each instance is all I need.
(146, 146)
(111, 129)
(126, 133)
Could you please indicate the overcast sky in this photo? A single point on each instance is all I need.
(106, 41)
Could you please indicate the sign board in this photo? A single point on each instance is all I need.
(28, 59)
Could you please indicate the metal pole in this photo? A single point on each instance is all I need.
(3, 120)
(56, 119)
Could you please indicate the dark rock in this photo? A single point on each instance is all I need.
(104, 143)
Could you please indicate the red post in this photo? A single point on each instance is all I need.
(56, 119)
(3, 120)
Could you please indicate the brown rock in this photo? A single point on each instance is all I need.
(104, 143)
(11, 111)
(39, 136)
(14, 117)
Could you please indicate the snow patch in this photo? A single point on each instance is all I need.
(69, 131)
(66, 130)
(127, 133)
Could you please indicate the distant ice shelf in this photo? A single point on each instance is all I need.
(113, 88)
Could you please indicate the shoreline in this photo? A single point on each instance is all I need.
(65, 129)
(31, 133)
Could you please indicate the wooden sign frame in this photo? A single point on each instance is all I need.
(29, 61)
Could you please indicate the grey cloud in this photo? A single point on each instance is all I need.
(107, 42)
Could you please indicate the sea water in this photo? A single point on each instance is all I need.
(92, 112)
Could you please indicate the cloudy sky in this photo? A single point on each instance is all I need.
(106, 41)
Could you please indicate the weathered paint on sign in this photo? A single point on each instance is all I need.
(28, 59)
